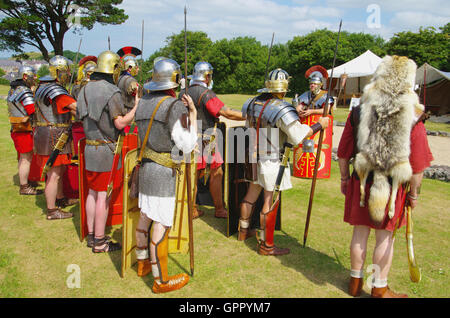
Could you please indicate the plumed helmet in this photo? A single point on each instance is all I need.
(277, 82)
(128, 60)
(108, 63)
(26, 70)
(166, 74)
(201, 71)
(316, 73)
(59, 67)
(87, 66)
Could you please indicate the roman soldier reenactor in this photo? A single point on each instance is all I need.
(86, 67)
(128, 83)
(55, 107)
(276, 122)
(168, 126)
(310, 108)
(209, 109)
(387, 138)
(102, 111)
(21, 109)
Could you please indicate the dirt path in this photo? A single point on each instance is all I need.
(440, 146)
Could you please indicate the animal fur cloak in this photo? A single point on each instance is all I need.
(383, 138)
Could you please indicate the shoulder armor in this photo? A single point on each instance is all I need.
(245, 107)
(51, 90)
(279, 109)
(304, 98)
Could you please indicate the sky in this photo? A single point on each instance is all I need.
(255, 18)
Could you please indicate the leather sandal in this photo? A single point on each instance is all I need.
(65, 202)
(90, 239)
(58, 214)
(263, 249)
(221, 213)
(28, 189)
(197, 213)
(108, 247)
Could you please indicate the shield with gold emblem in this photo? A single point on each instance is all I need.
(305, 153)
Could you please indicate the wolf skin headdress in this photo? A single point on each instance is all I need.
(383, 138)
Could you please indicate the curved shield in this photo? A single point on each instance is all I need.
(237, 140)
(70, 178)
(305, 153)
(178, 234)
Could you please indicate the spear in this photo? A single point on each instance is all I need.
(319, 146)
(188, 165)
(76, 62)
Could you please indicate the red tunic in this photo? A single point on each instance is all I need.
(62, 101)
(214, 105)
(23, 141)
(420, 158)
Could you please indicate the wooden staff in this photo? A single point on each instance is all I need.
(319, 147)
(188, 166)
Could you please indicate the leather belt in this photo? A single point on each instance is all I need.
(58, 125)
(162, 158)
(97, 142)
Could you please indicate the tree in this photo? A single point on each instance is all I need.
(317, 48)
(425, 46)
(29, 22)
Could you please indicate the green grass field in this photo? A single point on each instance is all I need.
(35, 254)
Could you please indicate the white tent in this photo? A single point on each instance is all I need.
(358, 71)
(430, 74)
(435, 94)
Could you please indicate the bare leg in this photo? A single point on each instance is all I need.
(101, 214)
(383, 253)
(24, 165)
(216, 190)
(51, 186)
(90, 209)
(358, 252)
(358, 248)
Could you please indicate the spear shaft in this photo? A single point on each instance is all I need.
(319, 146)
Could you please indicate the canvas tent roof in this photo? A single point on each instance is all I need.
(363, 65)
(432, 74)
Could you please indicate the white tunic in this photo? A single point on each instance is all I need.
(161, 209)
(268, 168)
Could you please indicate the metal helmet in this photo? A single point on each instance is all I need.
(87, 66)
(26, 70)
(128, 60)
(166, 74)
(315, 78)
(315, 74)
(108, 63)
(30, 72)
(277, 82)
(59, 67)
(201, 71)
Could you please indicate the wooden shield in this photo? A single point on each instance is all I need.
(178, 234)
(237, 185)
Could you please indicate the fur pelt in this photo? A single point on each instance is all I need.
(383, 138)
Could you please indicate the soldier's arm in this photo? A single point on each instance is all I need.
(231, 113)
(121, 121)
